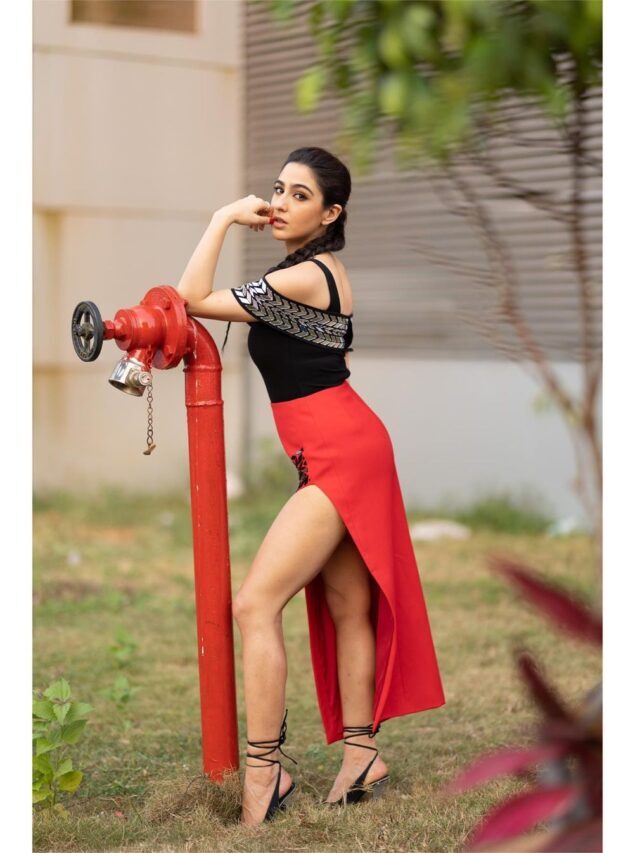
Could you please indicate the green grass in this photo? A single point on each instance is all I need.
(126, 561)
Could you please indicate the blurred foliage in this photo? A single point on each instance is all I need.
(250, 516)
(272, 474)
(566, 796)
(504, 513)
(426, 67)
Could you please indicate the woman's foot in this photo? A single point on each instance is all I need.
(259, 783)
(353, 764)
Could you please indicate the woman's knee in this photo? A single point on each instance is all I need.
(250, 608)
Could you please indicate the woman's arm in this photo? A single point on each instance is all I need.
(197, 279)
(302, 282)
(220, 305)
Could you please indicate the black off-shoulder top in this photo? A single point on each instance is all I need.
(298, 349)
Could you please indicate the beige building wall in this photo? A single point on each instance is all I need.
(136, 143)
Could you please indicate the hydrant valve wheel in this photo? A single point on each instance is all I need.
(87, 331)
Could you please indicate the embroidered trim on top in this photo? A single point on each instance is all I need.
(324, 328)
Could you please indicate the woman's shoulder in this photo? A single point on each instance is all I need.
(302, 282)
(341, 277)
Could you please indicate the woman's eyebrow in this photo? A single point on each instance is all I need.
(304, 186)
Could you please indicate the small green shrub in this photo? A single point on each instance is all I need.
(57, 723)
(123, 647)
(120, 693)
(504, 513)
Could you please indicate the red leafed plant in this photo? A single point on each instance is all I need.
(567, 795)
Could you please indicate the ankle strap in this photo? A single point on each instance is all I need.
(357, 731)
(275, 744)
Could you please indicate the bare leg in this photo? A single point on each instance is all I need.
(297, 546)
(348, 594)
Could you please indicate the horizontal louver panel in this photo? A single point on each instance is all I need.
(419, 272)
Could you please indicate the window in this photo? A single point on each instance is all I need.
(176, 15)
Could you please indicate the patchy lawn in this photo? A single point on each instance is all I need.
(120, 563)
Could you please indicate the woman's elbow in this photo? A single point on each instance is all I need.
(192, 307)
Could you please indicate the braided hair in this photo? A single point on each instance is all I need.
(334, 181)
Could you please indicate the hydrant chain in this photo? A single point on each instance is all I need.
(150, 444)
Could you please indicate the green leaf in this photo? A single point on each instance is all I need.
(556, 101)
(42, 764)
(70, 781)
(309, 88)
(538, 71)
(72, 731)
(55, 735)
(78, 710)
(316, 16)
(59, 690)
(593, 11)
(415, 28)
(342, 76)
(44, 745)
(282, 10)
(392, 47)
(43, 709)
(339, 9)
(364, 54)
(39, 796)
(328, 45)
(485, 65)
(61, 711)
(64, 767)
(394, 94)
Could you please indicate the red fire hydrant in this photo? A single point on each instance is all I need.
(159, 333)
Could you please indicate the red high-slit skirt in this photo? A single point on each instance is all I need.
(340, 445)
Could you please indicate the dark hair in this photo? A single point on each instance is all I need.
(334, 180)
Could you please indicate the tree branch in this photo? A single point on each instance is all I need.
(581, 264)
(505, 277)
(501, 126)
(539, 199)
(465, 270)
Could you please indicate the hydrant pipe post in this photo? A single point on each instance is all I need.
(159, 333)
(209, 518)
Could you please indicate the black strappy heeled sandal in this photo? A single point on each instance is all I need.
(277, 801)
(359, 791)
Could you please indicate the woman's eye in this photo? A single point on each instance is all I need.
(304, 198)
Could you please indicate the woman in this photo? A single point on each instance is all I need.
(343, 535)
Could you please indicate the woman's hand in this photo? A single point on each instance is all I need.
(251, 210)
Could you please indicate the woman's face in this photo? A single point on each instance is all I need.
(297, 201)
